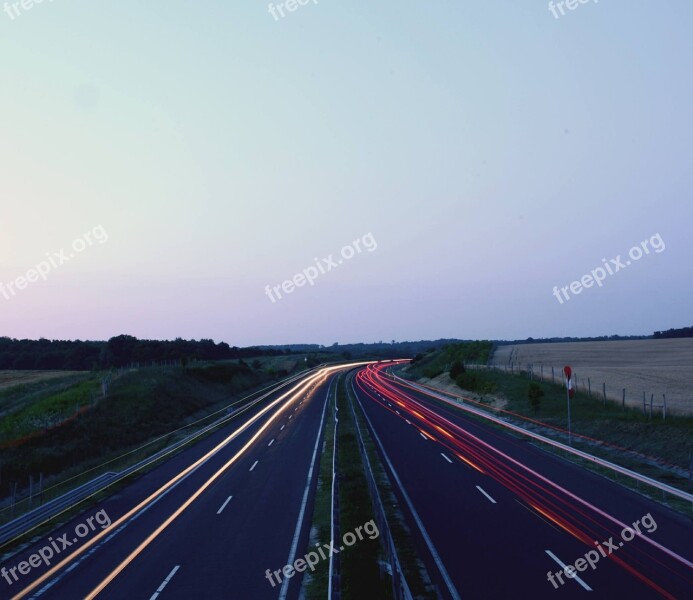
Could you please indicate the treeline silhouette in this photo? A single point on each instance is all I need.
(119, 351)
(682, 332)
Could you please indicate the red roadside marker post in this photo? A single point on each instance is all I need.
(568, 372)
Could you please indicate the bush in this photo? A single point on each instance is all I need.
(475, 382)
(457, 369)
(432, 372)
(468, 381)
(535, 394)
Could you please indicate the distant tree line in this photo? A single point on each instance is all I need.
(119, 351)
(599, 338)
(380, 349)
(683, 332)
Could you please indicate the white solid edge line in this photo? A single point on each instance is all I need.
(299, 523)
(223, 506)
(155, 595)
(50, 582)
(576, 578)
(332, 499)
(431, 548)
(254, 465)
(478, 487)
(546, 440)
(446, 458)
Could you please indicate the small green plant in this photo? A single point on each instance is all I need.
(535, 394)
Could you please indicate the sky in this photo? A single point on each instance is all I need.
(176, 169)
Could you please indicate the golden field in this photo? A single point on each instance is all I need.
(651, 366)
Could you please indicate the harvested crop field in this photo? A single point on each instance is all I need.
(651, 366)
(9, 379)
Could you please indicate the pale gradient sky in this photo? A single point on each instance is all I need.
(493, 152)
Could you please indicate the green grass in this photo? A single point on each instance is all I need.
(316, 583)
(413, 566)
(653, 447)
(434, 363)
(15, 397)
(141, 406)
(627, 427)
(46, 406)
(359, 563)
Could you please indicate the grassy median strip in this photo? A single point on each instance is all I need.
(360, 573)
(414, 569)
(315, 584)
(360, 569)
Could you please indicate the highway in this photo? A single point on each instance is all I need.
(493, 516)
(500, 517)
(207, 523)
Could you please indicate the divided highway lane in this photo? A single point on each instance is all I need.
(213, 531)
(502, 513)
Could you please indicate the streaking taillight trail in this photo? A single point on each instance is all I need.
(558, 505)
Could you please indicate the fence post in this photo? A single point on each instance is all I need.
(664, 407)
(604, 391)
(589, 388)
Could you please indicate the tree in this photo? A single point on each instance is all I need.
(121, 348)
(457, 369)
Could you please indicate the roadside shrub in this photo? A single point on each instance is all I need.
(535, 394)
(468, 381)
(457, 369)
(475, 382)
(432, 372)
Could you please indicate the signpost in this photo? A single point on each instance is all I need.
(570, 392)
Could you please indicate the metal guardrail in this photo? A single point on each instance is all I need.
(400, 588)
(53, 508)
(585, 455)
